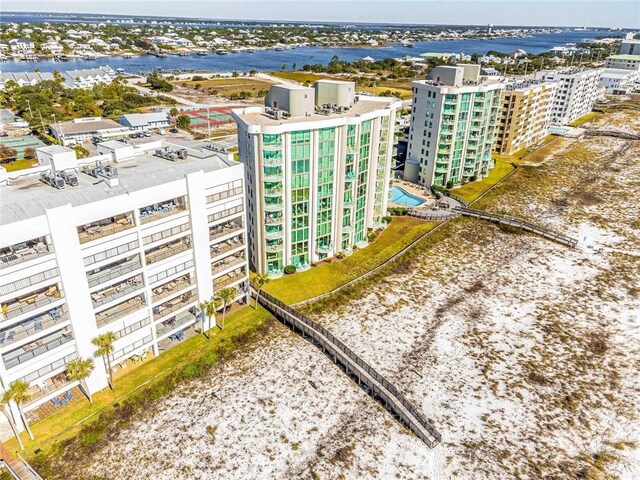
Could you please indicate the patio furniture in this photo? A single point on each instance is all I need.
(37, 323)
(2, 337)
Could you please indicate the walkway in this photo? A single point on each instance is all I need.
(371, 381)
(18, 468)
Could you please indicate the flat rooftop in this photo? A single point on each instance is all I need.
(28, 197)
(71, 127)
(362, 106)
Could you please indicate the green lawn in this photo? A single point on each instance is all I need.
(20, 164)
(327, 276)
(583, 119)
(473, 190)
(63, 424)
(298, 76)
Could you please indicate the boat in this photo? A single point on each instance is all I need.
(408, 44)
(119, 70)
(161, 55)
(128, 55)
(221, 51)
(185, 54)
(202, 53)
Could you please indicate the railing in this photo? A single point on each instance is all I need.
(134, 327)
(170, 271)
(28, 281)
(42, 371)
(150, 214)
(173, 323)
(88, 233)
(379, 387)
(171, 287)
(225, 213)
(109, 272)
(17, 332)
(217, 233)
(224, 282)
(170, 232)
(224, 265)
(173, 305)
(156, 255)
(221, 248)
(519, 224)
(50, 385)
(41, 300)
(118, 311)
(11, 360)
(119, 291)
(112, 252)
(16, 257)
(216, 197)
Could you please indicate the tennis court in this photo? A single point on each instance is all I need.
(21, 143)
(214, 117)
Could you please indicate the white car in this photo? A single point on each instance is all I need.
(161, 131)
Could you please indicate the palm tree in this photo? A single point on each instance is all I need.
(226, 296)
(3, 406)
(260, 280)
(104, 343)
(78, 370)
(19, 394)
(208, 308)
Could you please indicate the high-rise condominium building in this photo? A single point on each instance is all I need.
(453, 124)
(525, 114)
(578, 91)
(127, 242)
(317, 172)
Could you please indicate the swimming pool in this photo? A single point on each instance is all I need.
(398, 195)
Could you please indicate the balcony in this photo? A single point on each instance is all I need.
(226, 263)
(274, 207)
(48, 386)
(273, 176)
(272, 147)
(324, 248)
(173, 323)
(274, 191)
(121, 310)
(157, 211)
(350, 176)
(347, 229)
(442, 168)
(108, 226)
(225, 213)
(167, 250)
(274, 247)
(32, 301)
(224, 229)
(223, 247)
(32, 326)
(348, 203)
(23, 252)
(174, 286)
(119, 290)
(113, 270)
(232, 192)
(274, 234)
(274, 219)
(174, 304)
(272, 160)
(444, 151)
(37, 348)
(230, 278)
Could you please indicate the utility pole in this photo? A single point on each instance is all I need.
(30, 112)
(42, 122)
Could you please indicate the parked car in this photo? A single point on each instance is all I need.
(147, 133)
(174, 130)
(161, 131)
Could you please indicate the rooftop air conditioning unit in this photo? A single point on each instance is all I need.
(69, 178)
(50, 178)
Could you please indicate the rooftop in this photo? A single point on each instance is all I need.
(28, 197)
(141, 119)
(624, 57)
(84, 125)
(363, 105)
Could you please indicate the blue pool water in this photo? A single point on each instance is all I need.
(398, 195)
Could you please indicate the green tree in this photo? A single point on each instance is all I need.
(78, 370)
(3, 406)
(209, 308)
(7, 153)
(174, 112)
(183, 121)
(104, 343)
(58, 77)
(226, 296)
(259, 281)
(81, 152)
(18, 392)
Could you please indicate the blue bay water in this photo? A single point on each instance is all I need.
(270, 60)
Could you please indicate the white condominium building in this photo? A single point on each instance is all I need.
(129, 242)
(453, 125)
(624, 62)
(317, 163)
(578, 91)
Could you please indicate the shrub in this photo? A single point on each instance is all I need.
(450, 184)
(473, 178)
(289, 269)
(387, 219)
(197, 78)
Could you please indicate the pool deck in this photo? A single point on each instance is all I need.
(415, 190)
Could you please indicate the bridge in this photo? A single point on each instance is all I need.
(371, 381)
(518, 224)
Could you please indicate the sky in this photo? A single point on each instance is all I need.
(602, 13)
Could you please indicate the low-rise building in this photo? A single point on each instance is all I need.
(23, 79)
(89, 77)
(579, 88)
(22, 45)
(145, 121)
(525, 114)
(88, 247)
(623, 62)
(318, 164)
(630, 46)
(76, 131)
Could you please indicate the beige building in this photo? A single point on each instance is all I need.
(525, 115)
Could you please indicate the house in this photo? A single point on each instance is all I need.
(52, 46)
(23, 78)
(517, 53)
(98, 42)
(145, 121)
(80, 129)
(618, 80)
(89, 77)
(25, 45)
